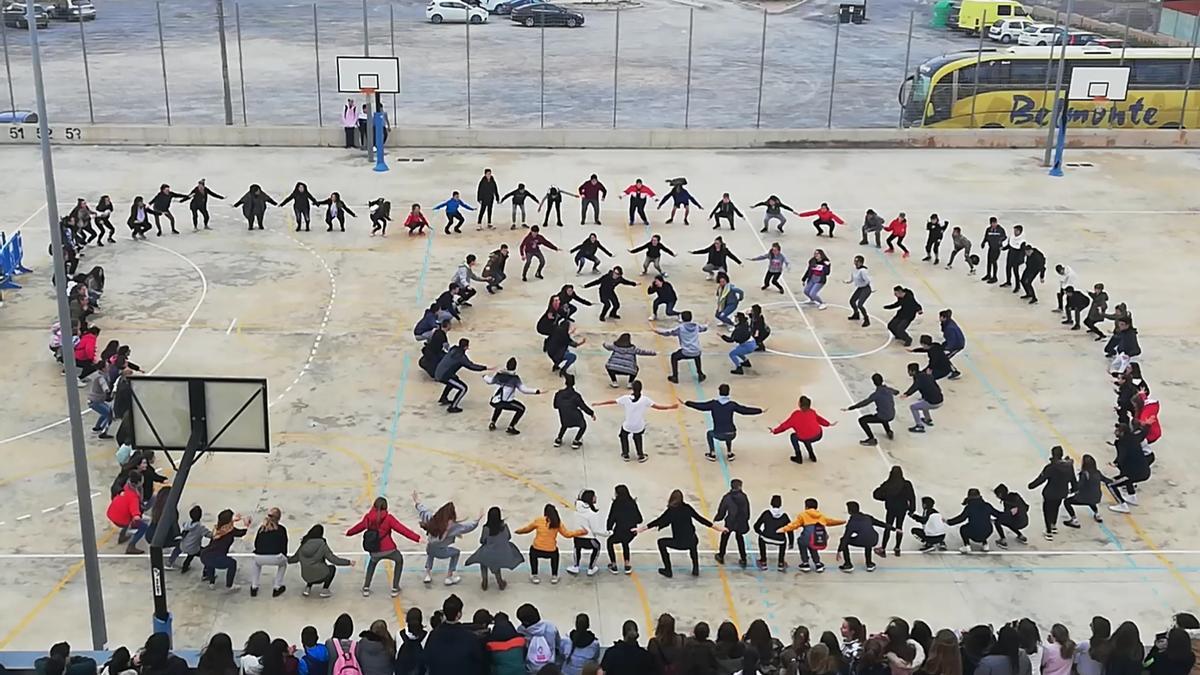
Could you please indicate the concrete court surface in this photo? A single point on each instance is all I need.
(327, 318)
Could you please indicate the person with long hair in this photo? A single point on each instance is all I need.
(792, 658)
(1031, 643)
(1090, 654)
(899, 499)
(103, 220)
(820, 660)
(623, 520)
(903, 653)
(318, 564)
(254, 205)
(681, 518)
(815, 276)
(700, 653)
(156, 657)
(768, 648)
(626, 656)
(279, 659)
(198, 203)
(375, 651)
(341, 641)
(1007, 658)
(581, 647)
(216, 658)
(805, 426)
(443, 528)
(1176, 657)
(1086, 493)
(777, 263)
(1058, 652)
(256, 647)
(593, 522)
(270, 550)
(944, 656)
(1127, 653)
(215, 556)
(636, 405)
(742, 339)
(547, 529)
(623, 359)
(873, 660)
(666, 646)
(377, 527)
(496, 551)
(301, 200)
(139, 218)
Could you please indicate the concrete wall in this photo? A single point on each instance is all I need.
(601, 138)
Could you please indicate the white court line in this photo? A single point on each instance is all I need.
(174, 343)
(647, 551)
(231, 325)
(26, 221)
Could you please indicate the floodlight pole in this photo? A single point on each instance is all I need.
(83, 488)
(196, 442)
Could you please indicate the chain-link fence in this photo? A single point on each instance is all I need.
(724, 64)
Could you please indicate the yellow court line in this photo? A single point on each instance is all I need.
(486, 464)
(1044, 419)
(95, 454)
(270, 486)
(41, 605)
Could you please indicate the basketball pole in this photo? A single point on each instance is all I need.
(1058, 82)
(83, 488)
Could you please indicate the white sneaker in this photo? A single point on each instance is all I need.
(821, 306)
(592, 571)
(534, 579)
(395, 593)
(985, 548)
(573, 569)
(1119, 508)
(306, 592)
(1097, 518)
(652, 318)
(366, 592)
(554, 580)
(453, 579)
(965, 550)
(1131, 498)
(428, 578)
(612, 384)
(325, 593)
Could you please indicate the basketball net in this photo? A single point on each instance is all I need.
(1100, 103)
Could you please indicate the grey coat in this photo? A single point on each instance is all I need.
(496, 551)
(314, 555)
(440, 546)
(623, 360)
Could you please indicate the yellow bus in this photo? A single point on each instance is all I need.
(1014, 88)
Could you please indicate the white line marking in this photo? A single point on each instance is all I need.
(52, 508)
(24, 222)
(24, 517)
(231, 325)
(73, 502)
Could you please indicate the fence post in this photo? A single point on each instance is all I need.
(237, 18)
(978, 65)
(1113, 109)
(317, 59)
(1187, 82)
(762, 66)
(616, 55)
(392, 31)
(837, 34)
(687, 101)
(366, 38)
(162, 53)
(12, 100)
(907, 60)
(542, 94)
(87, 75)
(468, 25)
(226, 94)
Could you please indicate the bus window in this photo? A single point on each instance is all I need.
(1157, 73)
(1028, 74)
(941, 100)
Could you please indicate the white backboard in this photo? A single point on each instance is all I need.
(1088, 83)
(381, 73)
(235, 411)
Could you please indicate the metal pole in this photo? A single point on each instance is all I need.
(837, 33)
(543, 82)
(762, 66)
(468, 25)
(687, 100)
(317, 59)
(87, 75)
(907, 56)
(367, 35)
(162, 52)
(979, 65)
(392, 31)
(616, 54)
(237, 18)
(83, 488)
(225, 90)
(1113, 109)
(1058, 81)
(1187, 81)
(12, 100)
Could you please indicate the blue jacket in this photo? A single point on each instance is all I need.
(723, 409)
(315, 660)
(952, 336)
(681, 197)
(453, 204)
(427, 323)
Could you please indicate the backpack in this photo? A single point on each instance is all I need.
(538, 652)
(371, 540)
(818, 538)
(344, 662)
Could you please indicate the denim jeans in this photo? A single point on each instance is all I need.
(723, 315)
(812, 290)
(104, 415)
(739, 353)
(568, 360)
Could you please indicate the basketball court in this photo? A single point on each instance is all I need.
(326, 318)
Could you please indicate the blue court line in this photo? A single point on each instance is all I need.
(385, 475)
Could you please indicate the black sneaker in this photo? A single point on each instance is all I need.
(577, 444)
(642, 458)
(710, 456)
(869, 442)
(558, 442)
(666, 572)
(278, 591)
(871, 567)
(846, 567)
(1002, 543)
(491, 426)
(512, 431)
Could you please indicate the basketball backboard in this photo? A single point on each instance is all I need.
(378, 73)
(1093, 83)
(233, 410)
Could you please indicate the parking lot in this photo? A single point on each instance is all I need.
(508, 85)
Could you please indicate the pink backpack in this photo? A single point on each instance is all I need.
(345, 662)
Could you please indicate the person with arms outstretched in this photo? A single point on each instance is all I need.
(198, 203)
(638, 192)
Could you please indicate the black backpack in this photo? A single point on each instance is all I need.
(371, 540)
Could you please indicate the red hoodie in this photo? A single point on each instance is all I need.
(125, 508)
(639, 190)
(385, 526)
(805, 423)
(824, 213)
(85, 351)
(1148, 418)
(898, 227)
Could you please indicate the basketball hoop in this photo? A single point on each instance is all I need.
(1100, 103)
(369, 94)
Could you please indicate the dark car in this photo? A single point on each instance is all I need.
(14, 16)
(18, 117)
(510, 7)
(73, 10)
(546, 14)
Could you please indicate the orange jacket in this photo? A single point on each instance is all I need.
(545, 538)
(811, 517)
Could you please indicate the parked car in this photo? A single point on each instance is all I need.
(453, 11)
(18, 117)
(546, 14)
(1006, 31)
(1040, 35)
(1111, 43)
(1082, 37)
(504, 8)
(73, 10)
(14, 16)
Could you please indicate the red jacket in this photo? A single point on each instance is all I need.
(385, 526)
(805, 423)
(898, 227)
(640, 190)
(125, 508)
(415, 220)
(532, 242)
(85, 351)
(824, 214)
(1148, 418)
